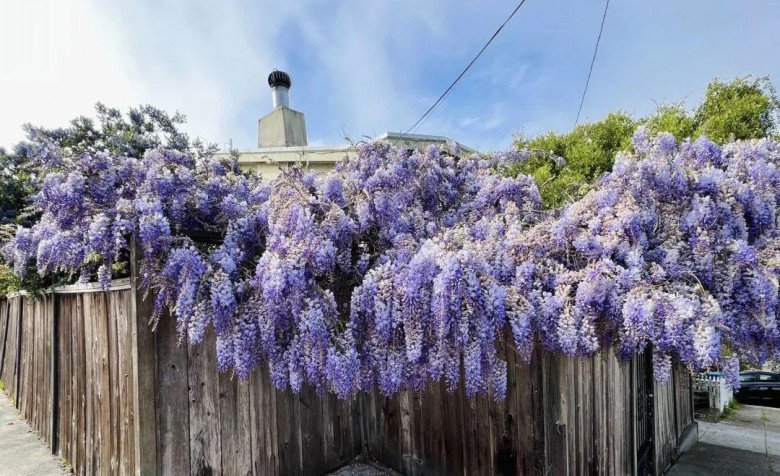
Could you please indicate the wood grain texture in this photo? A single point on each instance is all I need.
(144, 371)
(70, 375)
(173, 420)
(127, 392)
(5, 306)
(204, 421)
(81, 354)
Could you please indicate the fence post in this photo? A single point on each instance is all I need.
(18, 363)
(144, 367)
(54, 331)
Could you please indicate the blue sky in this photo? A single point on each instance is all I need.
(360, 68)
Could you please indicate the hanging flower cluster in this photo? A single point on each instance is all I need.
(400, 268)
(678, 247)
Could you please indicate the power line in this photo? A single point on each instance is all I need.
(592, 62)
(465, 70)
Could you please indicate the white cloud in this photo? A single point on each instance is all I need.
(204, 59)
(57, 58)
(54, 65)
(362, 68)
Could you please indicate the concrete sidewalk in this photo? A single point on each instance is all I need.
(21, 452)
(745, 443)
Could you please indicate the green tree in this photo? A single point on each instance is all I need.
(673, 118)
(16, 185)
(740, 109)
(588, 150)
(565, 164)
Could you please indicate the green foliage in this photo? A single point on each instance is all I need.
(130, 134)
(731, 408)
(9, 282)
(740, 109)
(673, 118)
(589, 151)
(565, 164)
(2, 386)
(31, 283)
(16, 186)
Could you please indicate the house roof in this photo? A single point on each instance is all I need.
(332, 154)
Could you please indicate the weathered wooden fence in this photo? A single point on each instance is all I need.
(113, 397)
(66, 363)
(210, 423)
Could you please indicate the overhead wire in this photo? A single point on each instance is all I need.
(592, 62)
(452, 85)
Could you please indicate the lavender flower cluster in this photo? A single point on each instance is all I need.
(678, 247)
(399, 268)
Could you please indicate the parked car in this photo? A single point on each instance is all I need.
(759, 386)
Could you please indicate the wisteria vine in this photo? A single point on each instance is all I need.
(400, 268)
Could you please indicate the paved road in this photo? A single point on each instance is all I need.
(21, 452)
(746, 443)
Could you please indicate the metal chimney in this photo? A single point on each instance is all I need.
(280, 83)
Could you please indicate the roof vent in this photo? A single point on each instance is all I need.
(279, 78)
(280, 83)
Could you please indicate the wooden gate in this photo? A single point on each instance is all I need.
(643, 393)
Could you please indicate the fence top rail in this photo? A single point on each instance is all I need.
(80, 288)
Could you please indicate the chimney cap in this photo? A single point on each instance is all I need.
(279, 78)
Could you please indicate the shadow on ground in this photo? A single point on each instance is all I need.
(747, 442)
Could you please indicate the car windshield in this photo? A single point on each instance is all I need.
(747, 377)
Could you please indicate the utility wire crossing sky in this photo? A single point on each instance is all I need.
(362, 68)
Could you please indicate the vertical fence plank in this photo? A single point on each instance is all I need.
(205, 445)
(90, 447)
(102, 387)
(9, 352)
(5, 305)
(287, 433)
(173, 406)
(265, 433)
(79, 389)
(26, 365)
(112, 308)
(126, 389)
(235, 435)
(54, 365)
(257, 424)
(23, 386)
(144, 378)
(554, 416)
(17, 364)
(513, 453)
(64, 377)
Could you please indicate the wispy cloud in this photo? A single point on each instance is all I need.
(361, 68)
(54, 65)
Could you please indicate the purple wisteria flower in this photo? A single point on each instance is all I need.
(401, 268)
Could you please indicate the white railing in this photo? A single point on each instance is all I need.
(719, 392)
